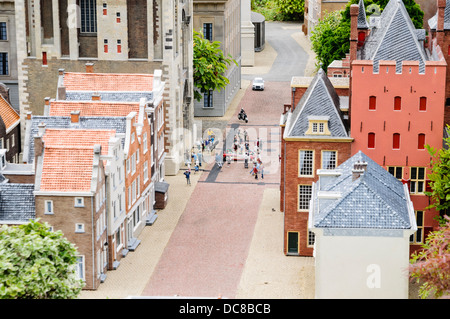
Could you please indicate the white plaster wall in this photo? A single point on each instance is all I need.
(361, 267)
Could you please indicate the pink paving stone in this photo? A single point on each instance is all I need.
(207, 251)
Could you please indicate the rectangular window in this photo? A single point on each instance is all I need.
(396, 171)
(208, 99)
(417, 237)
(119, 46)
(311, 238)
(306, 164)
(3, 34)
(13, 140)
(417, 185)
(105, 45)
(4, 70)
(105, 9)
(207, 31)
(80, 267)
(79, 228)
(49, 207)
(133, 163)
(144, 142)
(88, 10)
(304, 196)
(329, 159)
(79, 202)
(145, 171)
(118, 17)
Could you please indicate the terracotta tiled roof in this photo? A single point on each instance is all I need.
(67, 169)
(74, 81)
(70, 138)
(68, 158)
(7, 113)
(92, 108)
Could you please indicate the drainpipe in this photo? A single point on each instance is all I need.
(93, 235)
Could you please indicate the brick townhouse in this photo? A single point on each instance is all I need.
(70, 195)
(395, 102)
(314, 136)
(9, 129)
(145, 144)
(139, 159)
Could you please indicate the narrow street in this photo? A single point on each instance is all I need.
(222, 236)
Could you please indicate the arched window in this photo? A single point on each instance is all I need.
(371, 140)
(397, 103)
(396, 141)
(372, 103)
(423, 104)
(421, 141)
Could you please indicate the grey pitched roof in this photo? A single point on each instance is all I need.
(86, 122)
(374, 200)
(17, 202)
(320, 99)
(432, 22)
(395, 39)
(362, 19)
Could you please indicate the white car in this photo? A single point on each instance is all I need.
(258, 84)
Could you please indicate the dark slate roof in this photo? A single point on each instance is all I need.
(17, 202)
(86, 122)
(320, 99)
(362, 19)
(395, 39)
(375, 200)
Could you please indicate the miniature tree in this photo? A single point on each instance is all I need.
(36, 263)
(209, 66)
(431, 266)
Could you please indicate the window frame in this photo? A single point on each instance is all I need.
(420, 228)
(335, 158)
(302, 202)
(417, 180)
(312, 168)
(76, 204)
(46, 210)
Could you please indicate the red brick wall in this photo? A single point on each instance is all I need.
(295, 221)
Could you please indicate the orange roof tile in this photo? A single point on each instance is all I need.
(75, 81)
(7, 113)
(68, 158)
(93, 108)
(76, 138)
(67, 169)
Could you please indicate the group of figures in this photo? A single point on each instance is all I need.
(242, 150)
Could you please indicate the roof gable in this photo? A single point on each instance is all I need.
(374, 200)
(8, 115)
(320, 99)
(395, 39)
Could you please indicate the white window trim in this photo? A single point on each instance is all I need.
(47, 212)
(76, 202)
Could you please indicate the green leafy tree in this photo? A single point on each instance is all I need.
(332, 39)
(293, 8)
(36, 263)
(430, 267)
(440, 177)
(209, 66)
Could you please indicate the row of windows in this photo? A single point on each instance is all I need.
(396, 141)
(398, 103)
(417, 177)
(306, 161)
(416, 238)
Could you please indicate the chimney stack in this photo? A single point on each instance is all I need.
(354, 12)
(96, 97)
(89, 67)
(440, 22)
(358, 169)
(75, 117)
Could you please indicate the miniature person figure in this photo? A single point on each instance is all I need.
(188, 175)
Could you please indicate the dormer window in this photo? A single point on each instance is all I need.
(318, 125)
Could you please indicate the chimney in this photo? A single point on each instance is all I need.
(46, 106)
(440, 22)
(358, 169)
(38, 141)
(157, 79)
(29, 115)
(61, 71)
(75, 117)
(89, 67)
(96, 97)
(61, 89)
(354, 12)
